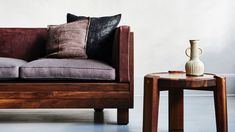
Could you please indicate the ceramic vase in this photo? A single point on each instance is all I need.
(194, 67)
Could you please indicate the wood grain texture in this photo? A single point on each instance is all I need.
(151, 104)
(64, 95)
(176, 110)
(64, 103)
(180, 80)
(57, 86)
(220, 99)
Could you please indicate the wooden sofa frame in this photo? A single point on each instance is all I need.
(80, 94)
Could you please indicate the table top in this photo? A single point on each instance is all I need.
(174, 75)
(181, 80)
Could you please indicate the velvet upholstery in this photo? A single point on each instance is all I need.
(23, 43)
(9, 68)
(84, 69)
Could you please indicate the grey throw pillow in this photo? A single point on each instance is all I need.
(68, 40)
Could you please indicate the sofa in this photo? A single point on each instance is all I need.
(29, 80)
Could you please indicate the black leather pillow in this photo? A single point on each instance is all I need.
(100, 35)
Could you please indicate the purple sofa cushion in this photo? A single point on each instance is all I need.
(84, 69)
(9, 68)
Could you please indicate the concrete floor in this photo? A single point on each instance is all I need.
(199, 117)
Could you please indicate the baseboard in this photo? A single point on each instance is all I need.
(192, 95)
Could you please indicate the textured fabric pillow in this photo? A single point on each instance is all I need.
(68, 40)
(100, 35)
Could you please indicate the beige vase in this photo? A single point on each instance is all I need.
(194, 67)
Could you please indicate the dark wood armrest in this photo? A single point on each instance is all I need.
(123, 54)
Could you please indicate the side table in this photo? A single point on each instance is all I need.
(175, 83)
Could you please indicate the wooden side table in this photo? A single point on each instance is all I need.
(175, 83)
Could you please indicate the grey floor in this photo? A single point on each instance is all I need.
(199, 117)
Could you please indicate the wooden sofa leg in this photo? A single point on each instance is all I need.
(122, 116)
(98, 116)
(98, 109)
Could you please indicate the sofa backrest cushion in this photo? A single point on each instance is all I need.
(23, 43)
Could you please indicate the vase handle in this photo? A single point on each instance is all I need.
(186, 52)
(200, 51)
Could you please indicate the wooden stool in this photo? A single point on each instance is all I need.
(175, 83)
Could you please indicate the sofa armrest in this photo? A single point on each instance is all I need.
(123, 54)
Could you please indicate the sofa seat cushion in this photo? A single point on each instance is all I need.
(64, 69)
(9, 68)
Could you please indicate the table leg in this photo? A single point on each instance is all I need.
(151, 104)
(220, 100)
(176, 110)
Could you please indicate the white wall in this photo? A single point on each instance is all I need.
(162, 28)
